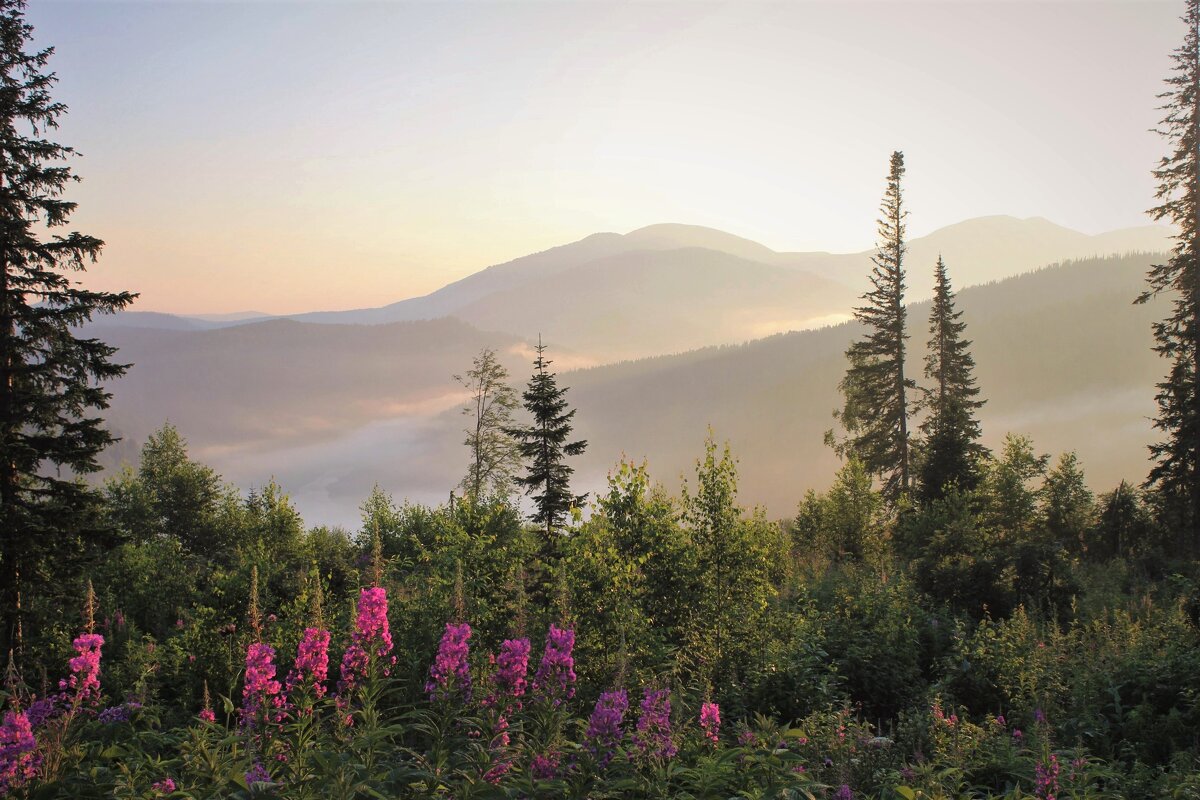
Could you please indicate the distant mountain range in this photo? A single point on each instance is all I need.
(333, 403)
(671, 288)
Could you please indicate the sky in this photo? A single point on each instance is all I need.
(286, 156)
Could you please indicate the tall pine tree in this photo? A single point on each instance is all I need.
(875, 389)
(50, 378)
(1175, 471)
(951, 451)
(544, 446)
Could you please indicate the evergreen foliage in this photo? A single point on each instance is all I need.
(1177, 337)
(875, 389)
(1123, 526)
(494, 453)
(1070, 506)
(49, 377)
(543, 445)
(950, 448)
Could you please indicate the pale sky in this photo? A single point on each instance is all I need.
(285, 156)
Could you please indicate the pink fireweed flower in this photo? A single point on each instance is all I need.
(311, 669)
(207, 715)
(262, 691)
(710, 721)
(498, 749)
(371, 627)
(372, 638)
(544, 766)
(19, 760)
(604, 731)
(555, 678)
(653, 734)
(512, 667)
(450, 673)
(355, 663)
(165, 786)
(84, 681)
(1046, 784)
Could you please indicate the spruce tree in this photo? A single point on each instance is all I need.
(950, 451)
(50, 377)
(875, 389)
(1177, 456)
(544, 445)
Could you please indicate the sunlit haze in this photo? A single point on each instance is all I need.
(284, 157)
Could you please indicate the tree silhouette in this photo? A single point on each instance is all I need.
(544, 446)
(1175, 470)
(951, 451)
(875, 389)
(50, 377)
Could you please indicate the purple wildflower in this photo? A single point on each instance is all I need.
(653, 735)
(544, 766)
(258, 774)
(41, 710)
(371, 637)
(372, 623)
(84, 680)
(604, 727)
(843, 793)
(512, 667)
(114, 715)
(450, 673)
(555, 678)
(501, 761)
(262, 691)
(710, 721)
(311, 669)
(1046, 783)
(19, 760)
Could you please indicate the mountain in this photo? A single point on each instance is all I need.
(670, 288)
(644, 302)
(158, 321)
(152, 320)
(1063, 356)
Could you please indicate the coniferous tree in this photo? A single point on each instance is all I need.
(951, 451)
(494, 454)
(1175, 471)
(50, 378)
(544, 445)
(875, 389)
